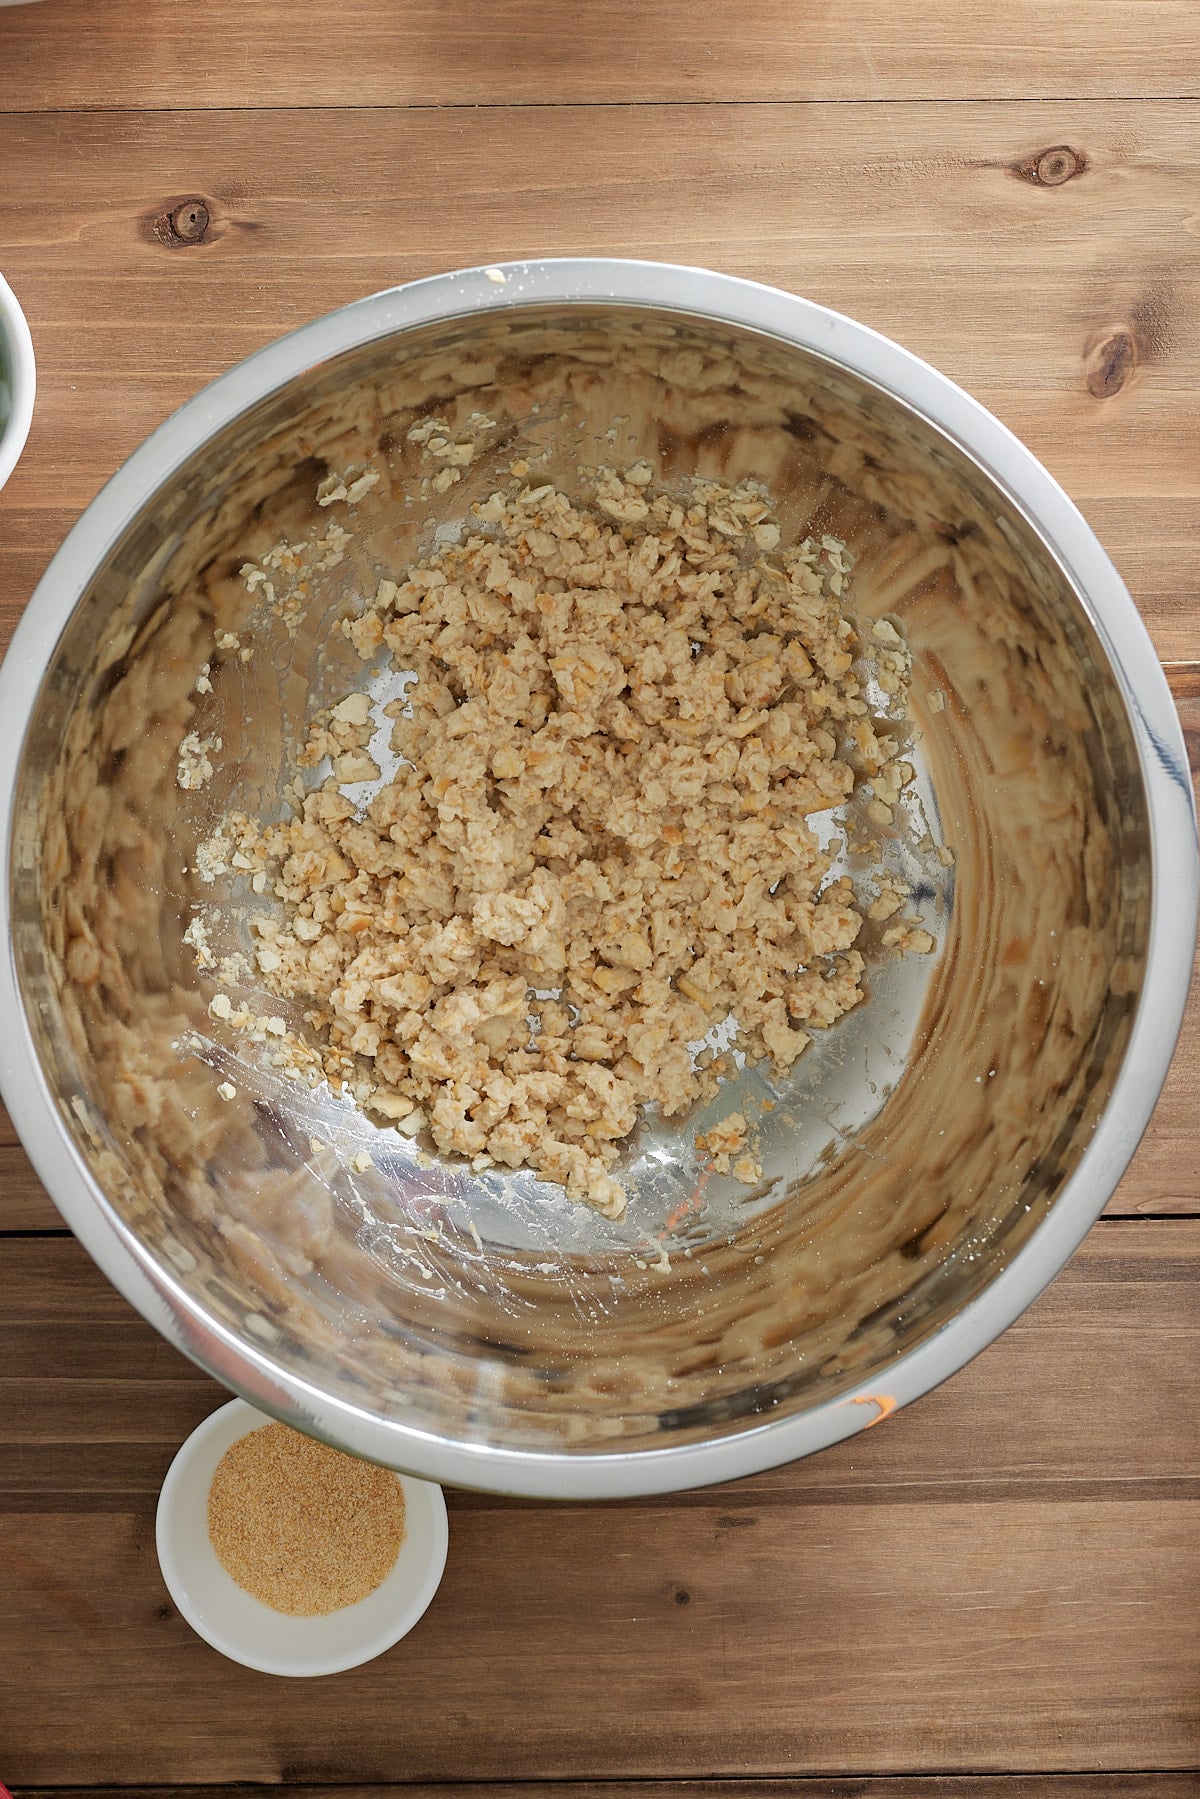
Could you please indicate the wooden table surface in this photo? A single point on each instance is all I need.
(998, 1593)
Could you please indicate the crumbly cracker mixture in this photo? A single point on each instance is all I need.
(283, 584)
(597, 846)
(195, 760)
(728, 1144)
(451, 454)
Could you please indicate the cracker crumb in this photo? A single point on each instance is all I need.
(195, 760)
(892, 895)
(302, 1527)
(196, 937)
(213, 854)
(233, 970)
(355, 765)
(909, 938)
(361, 485)
(726, 1143)
(227, 1090)
(355, 709)
(350, 487)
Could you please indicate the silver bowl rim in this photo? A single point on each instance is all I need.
(1005, 461)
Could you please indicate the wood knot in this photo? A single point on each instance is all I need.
(1109, 363)
(1051, 168)
(184, 222)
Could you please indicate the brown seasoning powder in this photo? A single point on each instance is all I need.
(302, 1527)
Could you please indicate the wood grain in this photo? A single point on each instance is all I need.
(909, 217)
(430, 52)
(1029, 1528)
(24, 1203)
(1087, 1397)
(1165, 1172)
(1002, 1579)
(1164, 1178)
(1159, 1785)
(944, 1636)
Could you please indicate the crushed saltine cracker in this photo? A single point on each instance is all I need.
(195, 760)
(728, 1145)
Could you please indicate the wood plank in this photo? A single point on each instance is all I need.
(1165, 1173)
(1003, 1573)
(906, 216)
(1164, 1176)
(902, 1637)
(1086, 1398)
(1163, 1179)
(415, 52)
(1158, 1785)
(24, 1203)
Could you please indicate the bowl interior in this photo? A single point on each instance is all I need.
(911, 1152)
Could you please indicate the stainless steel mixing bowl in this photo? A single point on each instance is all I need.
(931, 1162)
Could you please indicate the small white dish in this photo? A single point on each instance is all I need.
(17, 380)
(244, 1629)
